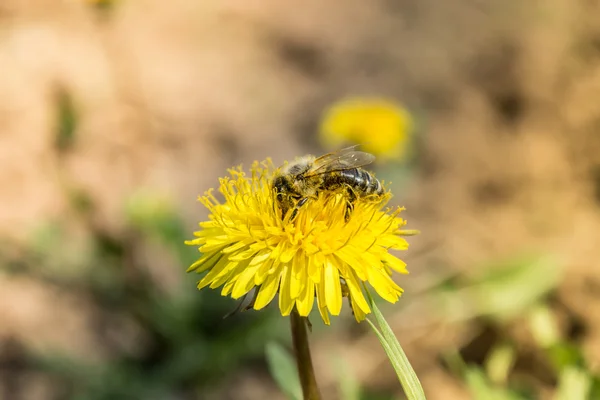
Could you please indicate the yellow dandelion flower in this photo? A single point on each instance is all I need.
(381, 126)
(319, 255)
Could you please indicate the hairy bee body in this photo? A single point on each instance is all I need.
(296, 183)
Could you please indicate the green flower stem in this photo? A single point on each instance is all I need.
(303, 359)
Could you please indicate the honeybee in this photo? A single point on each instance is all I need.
(295, 183)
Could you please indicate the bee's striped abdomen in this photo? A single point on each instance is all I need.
(361, 181)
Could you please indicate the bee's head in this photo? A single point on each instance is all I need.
(283, 188)
(282, 184)
(289, 183)
(297, 169)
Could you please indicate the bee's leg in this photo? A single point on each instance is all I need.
(351, 306)
(302, 202)
(237, 308)
(346, 293)
(309, 325)
(283, 204)
(299, 204)
(349, 209)
(241, 307)
(279, 206)
(254, 297)
(349, 204)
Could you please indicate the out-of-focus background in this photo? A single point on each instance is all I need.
(114, 116)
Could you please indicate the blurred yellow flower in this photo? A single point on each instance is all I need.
(245, 244)
(380, 126)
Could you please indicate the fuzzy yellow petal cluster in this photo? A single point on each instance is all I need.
(382, 127)
(320, 255)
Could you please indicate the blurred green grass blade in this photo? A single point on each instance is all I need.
(407, 376)
(155, 215)
(454, 362)
(477, 381)
(565, 354)
(499, 363)
(518, 287)
(544, 326)
(67, 121)
(104, 5)
(573, 384)
(284, 371)
(508, 290)
(481, 389)
(595, 387)
(349, 386)
(477, 384)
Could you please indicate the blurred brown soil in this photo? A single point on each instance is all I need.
(169, 94)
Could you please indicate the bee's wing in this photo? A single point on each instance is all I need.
(341, 160)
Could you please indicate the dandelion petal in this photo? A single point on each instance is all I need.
(333, 288)
(305, 301)
(245, 282)
(358, 299)
(267, 291)
(286, 304)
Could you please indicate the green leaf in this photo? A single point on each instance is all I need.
(406, 375)
(284, 371)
